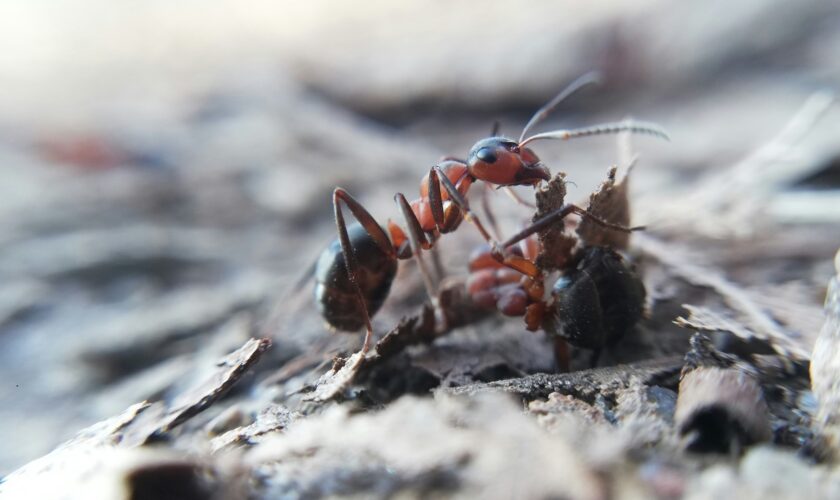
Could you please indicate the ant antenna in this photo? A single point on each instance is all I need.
(604, 128)
(497, 127)
(580, 82)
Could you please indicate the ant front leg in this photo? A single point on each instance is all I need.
(488, 211)
(562, 213)
(383, 257)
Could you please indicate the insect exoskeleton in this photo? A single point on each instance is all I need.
(596, 302)
(335, 294)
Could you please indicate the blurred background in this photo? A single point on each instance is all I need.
(166, 167)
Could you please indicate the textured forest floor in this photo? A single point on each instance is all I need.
(161, 203)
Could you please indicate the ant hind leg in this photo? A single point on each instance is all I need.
(342, 197)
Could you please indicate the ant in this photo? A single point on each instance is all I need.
(354, 273)
(596, 296)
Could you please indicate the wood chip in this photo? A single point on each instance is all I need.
(162, 420)
(755, 318)
(274, 418)
(335, 381)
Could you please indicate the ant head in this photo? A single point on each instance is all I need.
(501, 161)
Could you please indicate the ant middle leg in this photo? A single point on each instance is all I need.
(561, 213)
(488, 211)
(437, 178)
(418, 241)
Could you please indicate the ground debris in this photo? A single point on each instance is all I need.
(337, 379)
(585, 385)
(556, 243)
(274, 418)
(736, 200)
(418, 329)
(421, 447)
(612, 204)
(118, 473)
(756, 320)
(161, 419)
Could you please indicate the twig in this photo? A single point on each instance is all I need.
(732, 197)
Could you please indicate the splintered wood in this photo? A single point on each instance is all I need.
(556, 243)
(825, 368)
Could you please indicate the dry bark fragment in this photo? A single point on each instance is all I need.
(335, 381)
(611, 203)
(825, 369)
(187, 405)
(274, 418)
(556, 243)
(418, 329)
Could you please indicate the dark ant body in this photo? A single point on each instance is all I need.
(354, 274)
(597, 298)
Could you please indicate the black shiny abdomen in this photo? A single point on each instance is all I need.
(596, 303)
(334, 292)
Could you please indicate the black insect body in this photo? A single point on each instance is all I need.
(334, 292)
(597, 302)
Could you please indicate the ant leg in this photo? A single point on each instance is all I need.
(436, 178)
(581, 81)
(438, 265)
(488, 211)
(563, 355)
(595, 357)
(559, 214)
(418, 241)
(340, 196)
(518, 199)
(496, 128)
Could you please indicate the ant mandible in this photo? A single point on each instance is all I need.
(354, 273)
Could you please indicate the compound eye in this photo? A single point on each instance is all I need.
(486, 155)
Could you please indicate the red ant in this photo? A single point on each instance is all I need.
(349, 294)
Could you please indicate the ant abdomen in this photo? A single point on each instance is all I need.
(597, 302)
(334, 292)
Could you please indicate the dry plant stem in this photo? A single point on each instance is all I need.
(763, 325)
(736, 193)
(755, 166)
(825, 368)
(518, 199)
